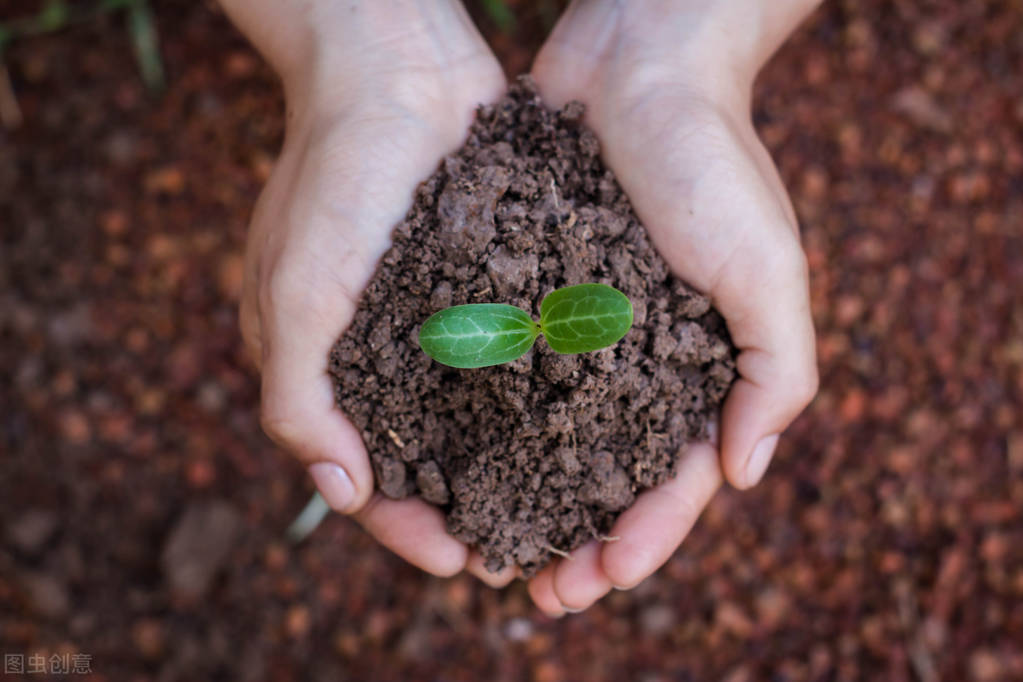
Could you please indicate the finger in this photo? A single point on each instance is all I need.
(654, 526)
(764, 296)
(581, 581)
(303, 311)
(415, 531)
(541, 591)
(476, 566)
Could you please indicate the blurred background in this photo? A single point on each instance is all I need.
(142, 513)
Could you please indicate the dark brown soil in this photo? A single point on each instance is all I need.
(537, 456)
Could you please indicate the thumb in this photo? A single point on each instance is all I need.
(300, 322)
(763, 295)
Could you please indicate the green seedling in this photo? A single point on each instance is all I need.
(576, 319)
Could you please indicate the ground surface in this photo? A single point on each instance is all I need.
(885, 543)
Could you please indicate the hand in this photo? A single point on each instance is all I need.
(383, 94)
(670, 104)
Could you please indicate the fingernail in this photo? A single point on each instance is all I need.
(758, 460)
(334, 484)
(568, 610)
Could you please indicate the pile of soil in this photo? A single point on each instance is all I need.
(538, 456)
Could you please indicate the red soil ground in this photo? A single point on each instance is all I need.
(885, 542)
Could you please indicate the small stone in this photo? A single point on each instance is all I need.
(610, 487)
(198, 546)
(297, 621)
(466, 214)
(148, 636)
(114, 223)
(548, 671)
(732, 619)
(657, 619)
(162, 247)
(919, 106)
(75, 427)
(567, 460)
(211, 397)
(167, 180)
(47, 594)
(392, 478)
(200, 472)
(31, 530)
(853, 405)
(930, 38)
(692, 342)
(518, 629)
(985, 666)
(509, 273)
(772, 606)
(431, 483)
(275, 557)
(71, 326)
(440, 298)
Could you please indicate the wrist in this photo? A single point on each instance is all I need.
(711, 48)
(335, 56)
(740, 35)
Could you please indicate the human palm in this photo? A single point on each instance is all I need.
(686, 153)
(345, 177)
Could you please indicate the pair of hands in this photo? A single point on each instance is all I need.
(378, 92)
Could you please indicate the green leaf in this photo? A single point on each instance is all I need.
(584, 318)
(477, 335)
(500, 14)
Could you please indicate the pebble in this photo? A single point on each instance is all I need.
(197, 548)
(48, 594)
(149, 637)
(31, 530)
(657, 619)
(518, 629)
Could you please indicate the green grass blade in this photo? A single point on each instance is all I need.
(142, 28)
(477, 335)
(584, 318)
(500, 14)
(54, 16)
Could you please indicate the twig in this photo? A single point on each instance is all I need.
(308, 519)
(394, 437)
(559, 552)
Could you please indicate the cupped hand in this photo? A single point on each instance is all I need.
(672, 113)
(389, 96)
